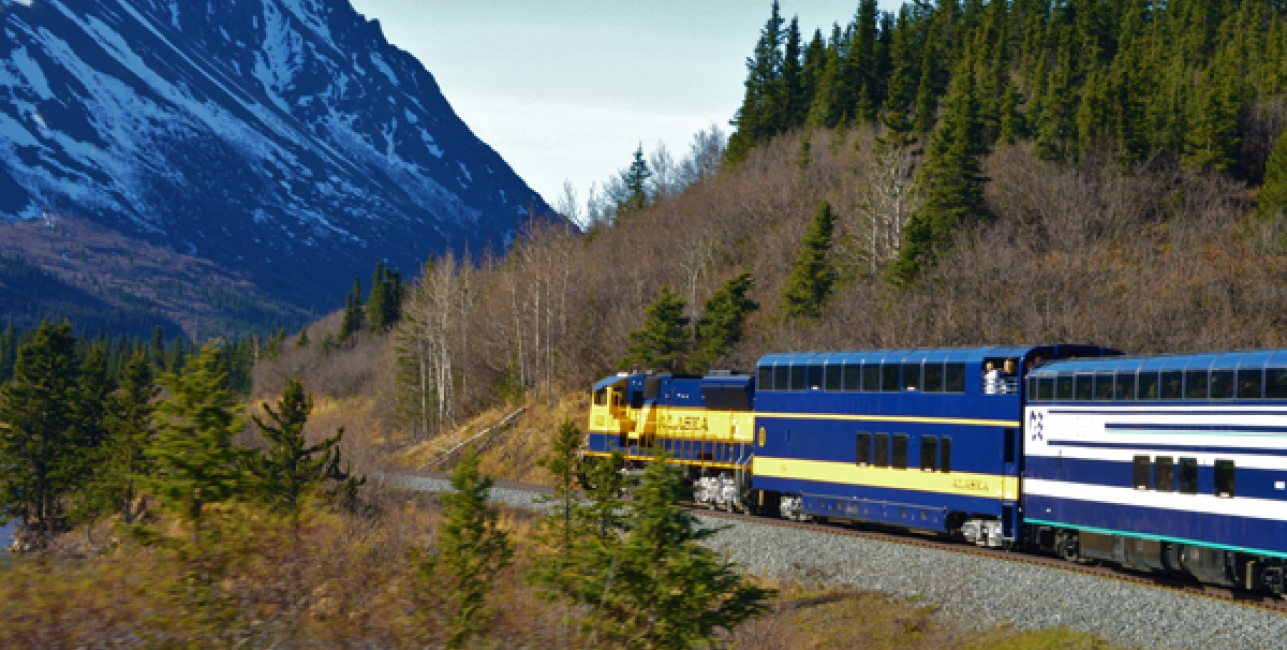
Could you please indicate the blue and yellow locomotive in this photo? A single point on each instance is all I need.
(990, 444)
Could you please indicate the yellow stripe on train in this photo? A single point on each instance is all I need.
(887, 418)
(994, 486)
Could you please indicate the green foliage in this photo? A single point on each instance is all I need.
(641, 568)
(764, 103)
(635, 180)
(354, 312)
(1272, 199)
(130, 432)
(560, 530)
(196, 464)
(39, 466)
(384, 307)
(950, 182)
(288, 469)
(663, 340)
(302, 341)
(720, 328)
(813, 277)
(472, 551)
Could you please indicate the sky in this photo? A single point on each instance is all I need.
(568, 89)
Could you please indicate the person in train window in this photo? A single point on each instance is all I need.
(991, 379)
(1011, 367)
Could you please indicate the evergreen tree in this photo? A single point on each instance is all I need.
(663, 340)
(795, 102)
(384, 307)
(472, 551)
(635, 180)
(720, 328)
(130, 432)
(302, 341)
(763, 104)
(1211, 139)
(354, 312)
(1272, 198)
(951, 182)
(287, 469)
(158, 348)
(195, 462)
(91, 410)
(39, 458)
(560, 528)
(8, 352)
(813, 277)
(665, 589)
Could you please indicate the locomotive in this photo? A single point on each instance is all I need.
(1173, 464)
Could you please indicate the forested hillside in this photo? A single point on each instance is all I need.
(992, 174)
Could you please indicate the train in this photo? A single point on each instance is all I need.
(1171, 464)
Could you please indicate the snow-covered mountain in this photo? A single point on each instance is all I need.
(286, 140)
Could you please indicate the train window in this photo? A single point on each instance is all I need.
(1046, 388)
(853, 377)
(782, 377)
(900, 451)
(1189, 475)
(601, 397)
(1276, 383)
(1148, 388)
(815, 377)
(1124, 386)
(1221, 384)
(1164, 474)
(766, 378)
(889, 377)
(862, 456)
(911, 376)
(799, 377)
(945, 455)
(1032, 388)
(929, 453)
(881, 456)
(1172, 385)
(1064, 387)
(954, 378)
(1250, 383)
(1195, 384)
(932, 381)
(1224, 475)
(1009, 445)
(833, 377)
(1104, 385)
(871, 377)
(1142, 472)
(1083, 387)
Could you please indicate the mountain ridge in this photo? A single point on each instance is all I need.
(286, 140)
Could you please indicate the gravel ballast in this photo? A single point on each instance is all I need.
(980, 592)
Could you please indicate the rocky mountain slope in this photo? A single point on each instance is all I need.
(284, 141)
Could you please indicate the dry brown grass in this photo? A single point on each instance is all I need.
(351, 584)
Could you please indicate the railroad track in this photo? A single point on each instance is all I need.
(906, 538)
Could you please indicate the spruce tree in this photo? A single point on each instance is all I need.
(8, 352)
(195, 461)
(302, 341)
(560, 530)
(1272, 198)
(663, 340)
(288, 469)
(951, 182)
(472, 551)
(130, 429)
(40, 461)
(666, 589)
(635, 180)
(354, 312)
(763, 103)
(795, 105)
(720, 328)
(813, 277)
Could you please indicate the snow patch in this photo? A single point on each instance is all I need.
(32, 75)
(465, 170)
(378, 62)
(25, 3)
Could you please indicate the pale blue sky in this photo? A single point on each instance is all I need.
(568, 88)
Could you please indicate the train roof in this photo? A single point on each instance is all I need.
(1198, 361)
(915, 355)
